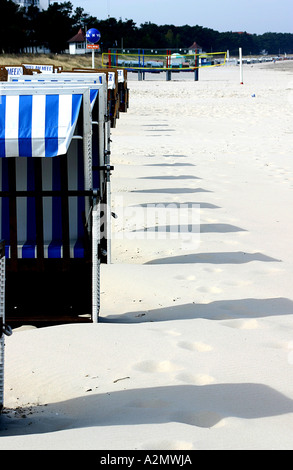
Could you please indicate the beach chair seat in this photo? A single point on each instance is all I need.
(36, 198)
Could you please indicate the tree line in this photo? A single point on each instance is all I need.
(52, 28)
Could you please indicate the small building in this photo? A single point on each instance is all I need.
(195, 47)
(77, 44)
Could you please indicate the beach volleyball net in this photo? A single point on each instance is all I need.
(141, 60)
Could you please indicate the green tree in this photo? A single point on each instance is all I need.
(12, 31)
(55, 26)
(170, 38)
(31, 18)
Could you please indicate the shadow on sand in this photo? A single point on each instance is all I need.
(216, 311)
(199, 406)
(230, 257)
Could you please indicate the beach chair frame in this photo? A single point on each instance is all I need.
(4, 329)
(2, 320)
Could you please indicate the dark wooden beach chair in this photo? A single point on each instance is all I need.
(3, 74)
(123, 90)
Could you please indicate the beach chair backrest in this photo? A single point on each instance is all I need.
(113, 90)
(67, 78)
(50, 68)
(98, 97)
(3, 74)
(111, 75)
(15, 70)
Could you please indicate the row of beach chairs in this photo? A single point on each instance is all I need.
(118, 92)
(55, 206)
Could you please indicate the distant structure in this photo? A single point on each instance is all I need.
(41, 4)
(241, 32)
(195, 47)
(77, 44)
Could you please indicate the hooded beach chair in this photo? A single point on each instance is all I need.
(113, 91)
(100, 138)
(123, 90)
(50, 209)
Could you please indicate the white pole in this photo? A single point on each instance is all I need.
(241, 65)
(96, 227)
(93, 58)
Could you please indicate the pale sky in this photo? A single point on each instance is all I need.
(253, 16)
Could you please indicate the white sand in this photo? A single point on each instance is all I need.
(195, 345)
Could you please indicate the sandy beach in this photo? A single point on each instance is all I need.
(194, 348)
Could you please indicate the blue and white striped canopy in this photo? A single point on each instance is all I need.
(37, 125)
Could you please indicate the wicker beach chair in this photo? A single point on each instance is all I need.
(17, 70)
(50, 214)
(113, 91)
(123, 90)
(101, 134)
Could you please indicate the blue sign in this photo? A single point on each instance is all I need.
(93, 35)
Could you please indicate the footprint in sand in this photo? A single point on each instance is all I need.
(285, 346)
(186, 278)
(213, 270)
(195, 346)
(195, 379)
(155, 366)
(212, 290)
(173, 333)
(251, 324)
